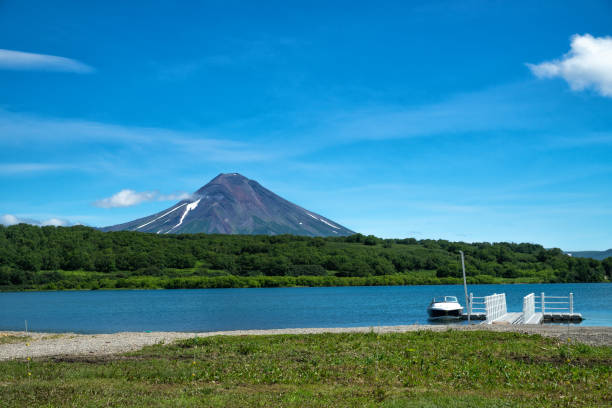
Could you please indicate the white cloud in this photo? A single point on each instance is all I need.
(172, 197)
(128, 198)
(18, 60)
(588, 64)
(9, 219)
(125, 198)
(56, 222)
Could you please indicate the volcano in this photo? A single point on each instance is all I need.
(233, 204)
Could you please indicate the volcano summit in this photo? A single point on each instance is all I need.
(233, 204)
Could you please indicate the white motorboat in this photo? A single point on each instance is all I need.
(444, 308)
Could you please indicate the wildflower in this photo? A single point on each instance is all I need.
(28, 358)
(193, 374)
(193, 362)
(29, 373)
(27, 344)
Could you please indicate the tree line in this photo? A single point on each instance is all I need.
(50, 257)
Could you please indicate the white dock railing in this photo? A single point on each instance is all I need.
(528, 307)
(555, 304)
(495, 305)
(477, 305)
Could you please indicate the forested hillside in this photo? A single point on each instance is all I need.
(81, 257)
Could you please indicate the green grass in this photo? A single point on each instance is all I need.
(418, 369)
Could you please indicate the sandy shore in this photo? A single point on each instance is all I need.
(15, 345)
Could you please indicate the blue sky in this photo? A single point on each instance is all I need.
(398, 119)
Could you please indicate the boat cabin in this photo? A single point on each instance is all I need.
(445, 299)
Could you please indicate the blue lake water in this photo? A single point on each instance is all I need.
(200, 310)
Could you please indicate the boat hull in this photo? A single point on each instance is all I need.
(437, 314)
(444, 312)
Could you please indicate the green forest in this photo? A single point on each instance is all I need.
(59, 258)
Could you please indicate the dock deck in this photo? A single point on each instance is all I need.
(536, 318)
(550, 309)
(509, 318)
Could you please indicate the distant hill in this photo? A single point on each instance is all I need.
(233, 204)
(599, 255)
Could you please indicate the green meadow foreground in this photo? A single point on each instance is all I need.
(420, 368)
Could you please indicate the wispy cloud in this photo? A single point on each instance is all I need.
(13, 168)
(178, 71)
(509, 107)
(17, 129)
(588, 64)
(236, 54)
(291, 137)
(499, 108)
(18, 60)
(9, 219)
(587, 140)
(129, 198)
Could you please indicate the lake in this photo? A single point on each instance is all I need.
(200, 310)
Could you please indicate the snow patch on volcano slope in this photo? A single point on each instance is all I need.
(322, 220)
(190, 207)
(161, 216)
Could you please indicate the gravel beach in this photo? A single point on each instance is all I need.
(15, 345)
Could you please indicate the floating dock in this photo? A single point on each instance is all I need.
(474, 316)
(552, 309)
(536, 310)
(562, 317)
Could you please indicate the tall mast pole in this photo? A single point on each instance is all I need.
(467, 300)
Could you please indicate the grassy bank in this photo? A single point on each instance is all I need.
(451, 369)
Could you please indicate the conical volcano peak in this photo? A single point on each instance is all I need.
(228, 176)
(229, 180)
(233, 204)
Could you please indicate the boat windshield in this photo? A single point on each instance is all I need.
(445, 299)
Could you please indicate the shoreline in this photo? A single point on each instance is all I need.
(48, 345)
(105, 289)
(337, 284)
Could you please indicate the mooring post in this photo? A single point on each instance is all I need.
(542, 303)
(571, 301)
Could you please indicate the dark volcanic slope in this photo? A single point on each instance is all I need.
(233, 204)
